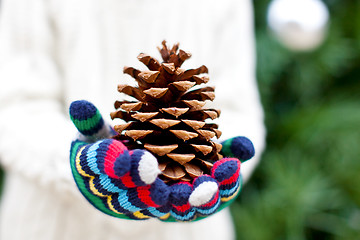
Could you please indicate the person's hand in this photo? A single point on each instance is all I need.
(124, 183)
(209, 194)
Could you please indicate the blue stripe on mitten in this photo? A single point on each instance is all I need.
(88, 120)
(179, 198)
(227, 172)
(205, 195)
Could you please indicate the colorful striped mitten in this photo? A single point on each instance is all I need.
(124, 183)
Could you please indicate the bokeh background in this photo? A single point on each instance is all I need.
(308, 184)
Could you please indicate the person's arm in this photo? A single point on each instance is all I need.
(35, 134)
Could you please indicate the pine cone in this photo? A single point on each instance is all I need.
(167, 117)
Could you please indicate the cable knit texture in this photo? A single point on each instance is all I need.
(53, 52)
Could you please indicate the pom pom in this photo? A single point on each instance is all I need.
(145, 168)
(205, 187)
(239, 147)
(179, 198)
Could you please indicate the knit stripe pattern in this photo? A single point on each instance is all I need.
(227, 172)
(86, 117)
(112, 195)
(108, 176)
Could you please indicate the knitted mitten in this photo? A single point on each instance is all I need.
(105, 169)
(124, 183)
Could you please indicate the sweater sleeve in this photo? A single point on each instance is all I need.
(35, 133)
(236, 91)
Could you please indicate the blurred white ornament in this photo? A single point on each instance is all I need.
(300, 25)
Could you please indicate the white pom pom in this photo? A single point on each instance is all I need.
(203, 193)
(148, 168)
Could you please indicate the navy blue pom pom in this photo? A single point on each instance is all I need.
(242, 148)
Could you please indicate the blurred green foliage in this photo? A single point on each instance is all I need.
(308, 183)
(1, 179)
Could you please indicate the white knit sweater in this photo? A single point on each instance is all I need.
(55, 51)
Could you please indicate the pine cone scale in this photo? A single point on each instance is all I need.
(160, 150)
(149, 61)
